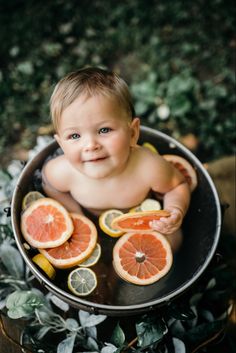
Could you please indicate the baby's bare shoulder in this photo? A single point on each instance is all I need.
(57, 172)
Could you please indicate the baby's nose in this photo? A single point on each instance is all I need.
(91, 144)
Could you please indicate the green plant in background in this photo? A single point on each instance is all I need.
(176, 56)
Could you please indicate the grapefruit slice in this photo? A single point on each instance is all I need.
(45, 223)
(142, 258)
(137, 220)
(184, 167)
(77, 248)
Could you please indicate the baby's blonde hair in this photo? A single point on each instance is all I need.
(89, 81)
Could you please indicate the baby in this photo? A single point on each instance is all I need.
(102, 167)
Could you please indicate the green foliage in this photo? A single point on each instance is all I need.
(172, 52)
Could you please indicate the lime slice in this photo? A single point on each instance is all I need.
(93, 258)
(82, 281)
(31, 197)
(150, 205)
(105, 221)
(42, 262)
(150, 147)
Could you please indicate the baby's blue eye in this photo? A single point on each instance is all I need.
(74, 136)
(104, 130)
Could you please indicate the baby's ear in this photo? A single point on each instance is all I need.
(57, 138)
(135, 131)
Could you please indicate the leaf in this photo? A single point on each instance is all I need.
(93, 320)
(118, 336)
(91, 331)
(12, 260)
(179, 345)
(150, 332)
(59, 303)
(67, 345)
(109, 348)
(202, 332)
(71, 325)
(22, 304)
(83, 316)
(92, 344)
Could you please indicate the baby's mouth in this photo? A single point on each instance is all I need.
(95, 160)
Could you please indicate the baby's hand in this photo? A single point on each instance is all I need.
(168, 225)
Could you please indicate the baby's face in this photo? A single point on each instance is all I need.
(96, 135)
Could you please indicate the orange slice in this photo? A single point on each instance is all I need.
(184, 167)
(46, 223)
(138, 220)
(142, 258)
(77, 248)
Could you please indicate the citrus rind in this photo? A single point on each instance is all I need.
(93, 258)
(41, 261)
(66, 256)
(30, 197)
(82, 281)
(105, 221)
(138, 221)
(42, 220)
(185, 168)
(149, 146)
(125, 267)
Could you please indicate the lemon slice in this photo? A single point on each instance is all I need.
(150, 147)
(105, 221)
(93, 258)
(41, 261)
(82, 281)
(135, 209)
(31, 197)
(150, 205)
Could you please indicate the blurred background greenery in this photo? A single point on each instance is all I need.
(177, 57)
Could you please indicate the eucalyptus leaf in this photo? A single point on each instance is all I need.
(109, 348)
(93, 320)
(12, 260)
(179, 345)
(71, 325)
(202, 332)
(83, 316)
(22, 304)
(149, 332)
(91, 331)
(92, 344)
(118, 336)
(58, 302)
(67, 345)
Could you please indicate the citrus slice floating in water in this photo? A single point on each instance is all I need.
(41, 261)
(82, 281)
(150, 205)
(46, 223)
(78, 247)
(184, 167)
(93, 258)
(105, 221)
(142, 258)
(31, 197)
(138, 220)
(150, 147)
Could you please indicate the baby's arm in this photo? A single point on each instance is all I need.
(176, 197)
(54, 185)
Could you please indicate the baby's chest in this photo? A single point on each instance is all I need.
(104, 195)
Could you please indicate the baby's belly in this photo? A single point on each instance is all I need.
(99, 205)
